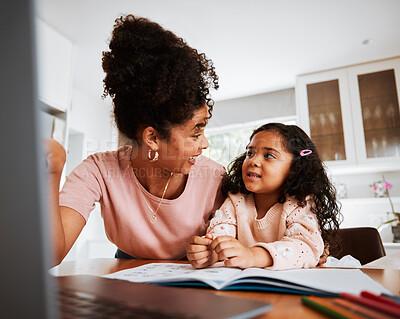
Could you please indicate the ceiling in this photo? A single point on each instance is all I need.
(257, 45)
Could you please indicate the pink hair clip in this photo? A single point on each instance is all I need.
(305, 152)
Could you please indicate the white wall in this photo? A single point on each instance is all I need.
(91, 117)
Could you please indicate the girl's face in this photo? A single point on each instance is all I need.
(267, 163)
(186, 142)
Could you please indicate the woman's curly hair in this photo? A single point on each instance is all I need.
(306, 177)
(154, 78)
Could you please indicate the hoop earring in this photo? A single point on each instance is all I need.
(155, 158)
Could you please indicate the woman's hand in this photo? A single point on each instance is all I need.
(55, 160)
(55, 156)
(199, 253)
(235, 254)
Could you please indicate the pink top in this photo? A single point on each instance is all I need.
(289, 232)
(108, 179)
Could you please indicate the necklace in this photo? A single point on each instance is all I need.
(153, 217)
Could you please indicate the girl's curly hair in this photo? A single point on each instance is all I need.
(306, 177)
(154, 78)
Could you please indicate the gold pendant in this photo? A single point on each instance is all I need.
(153, 219)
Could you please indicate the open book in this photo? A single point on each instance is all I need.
(316, 281)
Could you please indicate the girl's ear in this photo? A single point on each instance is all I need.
(151, 138)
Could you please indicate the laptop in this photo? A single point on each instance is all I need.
(27, 290)
(98, 296)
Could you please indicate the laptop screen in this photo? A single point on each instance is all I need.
(23, 226)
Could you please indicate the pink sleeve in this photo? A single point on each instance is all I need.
(82, 188)
(302, 244)
(224, 221)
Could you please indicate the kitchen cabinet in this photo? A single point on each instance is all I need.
(376, 110)
(54, 60)
(352, 115)
(54, 67)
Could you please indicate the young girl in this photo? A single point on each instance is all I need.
(280, 206)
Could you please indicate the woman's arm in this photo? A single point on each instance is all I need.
(65, 223)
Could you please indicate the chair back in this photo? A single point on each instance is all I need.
(363, 243)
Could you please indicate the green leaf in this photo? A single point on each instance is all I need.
(389, 222)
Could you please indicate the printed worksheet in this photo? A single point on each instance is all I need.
(169, 272)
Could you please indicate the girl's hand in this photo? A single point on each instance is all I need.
(55, 156)
(198, 251)
(324, 257)
(235, 254)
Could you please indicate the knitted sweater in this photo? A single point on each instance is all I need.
(290, 233)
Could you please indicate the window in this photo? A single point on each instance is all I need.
(228, 142)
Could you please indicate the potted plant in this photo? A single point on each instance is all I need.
(381, 189)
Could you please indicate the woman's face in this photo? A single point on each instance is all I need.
(186, 142)
(267, 163)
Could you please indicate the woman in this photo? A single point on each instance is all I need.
(157, 193)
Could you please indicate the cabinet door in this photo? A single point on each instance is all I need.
(375, 91)
(323, 108)
(54, 67)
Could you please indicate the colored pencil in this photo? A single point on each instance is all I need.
(394, 298)
(391, 310)
(326, 307)
(380, 298)
(360, 310)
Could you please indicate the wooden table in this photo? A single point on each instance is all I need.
(284, 305)
(391, 261)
